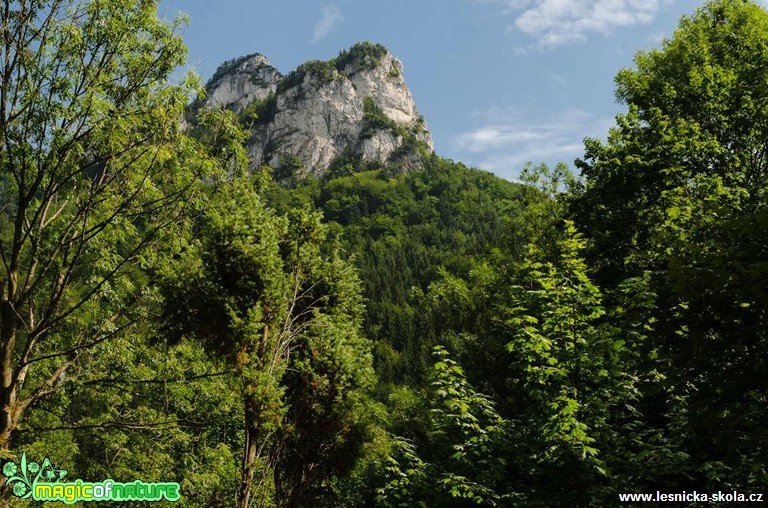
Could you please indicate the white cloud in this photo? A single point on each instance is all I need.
(330, 19)
(506, 139)
(557, 22)
(494, 136)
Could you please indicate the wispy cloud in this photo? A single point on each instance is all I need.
(506, 139)
(330, 19)
(554, 23)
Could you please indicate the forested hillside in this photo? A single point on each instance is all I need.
(398, 332)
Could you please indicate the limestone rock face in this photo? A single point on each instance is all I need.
(242, 81)
(354, 106)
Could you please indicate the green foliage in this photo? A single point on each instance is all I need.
(569, 367)
(539, 222)
(463, 463)
(259, 111)
(143, 411)
(322, 70)
(555, 340)
(362, 56)
(290, 170)
(394, 71)
(533, 332)
(678, 192)
(227, 67)
(695, 109)
(330, 414)
(325, 71)
(219, 131)
(374, 118)
(254, 290)
(466, 423)
(573, 372)
(410, 146)
(346, 164)
(96, 176)
(220, 284)
(401, 230)
(407, 476)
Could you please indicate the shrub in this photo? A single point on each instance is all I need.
(228, 67)
(259, 111)
(363, 55)
(323, 70)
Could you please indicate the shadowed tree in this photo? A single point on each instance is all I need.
(255, 290)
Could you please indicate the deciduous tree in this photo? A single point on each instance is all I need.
(94, 171)
(679, 190)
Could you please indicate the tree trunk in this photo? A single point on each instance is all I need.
(7, 399)
(5, 494)
(250, 455)
(8, 411)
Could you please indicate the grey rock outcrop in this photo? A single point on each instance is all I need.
(355, 106)
(241, 81)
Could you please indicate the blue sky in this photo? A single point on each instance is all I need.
(500, 82)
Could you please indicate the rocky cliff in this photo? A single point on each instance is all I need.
(355, 106)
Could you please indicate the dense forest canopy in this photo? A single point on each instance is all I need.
(375, 336)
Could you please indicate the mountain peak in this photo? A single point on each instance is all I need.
(238, 82)
(356, 105)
